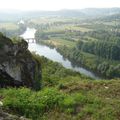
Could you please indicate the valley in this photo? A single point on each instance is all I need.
(69, 69)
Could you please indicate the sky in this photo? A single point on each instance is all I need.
(57, 4)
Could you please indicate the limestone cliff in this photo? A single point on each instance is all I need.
(17, 65)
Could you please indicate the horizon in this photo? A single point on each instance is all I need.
(56, 5)
(18, 10)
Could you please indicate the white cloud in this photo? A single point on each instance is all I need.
(56, 4)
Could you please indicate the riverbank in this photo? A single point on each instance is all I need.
(54, 55)
(99, 66)
(66, 53)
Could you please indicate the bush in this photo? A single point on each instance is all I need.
(29, 103)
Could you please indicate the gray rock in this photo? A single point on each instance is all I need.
(17, 65)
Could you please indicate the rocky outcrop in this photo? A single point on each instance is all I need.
(17, 65)
(7, 116)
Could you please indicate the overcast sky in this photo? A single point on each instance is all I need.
(57, 4)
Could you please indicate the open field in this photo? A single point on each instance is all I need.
(60, 42)
(8, 26)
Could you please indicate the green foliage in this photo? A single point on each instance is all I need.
(106, 68)
(108, 50)
(53, 72)
(40, 35)
(70, 94)
(109, 70)
(29, 103)
(93, 48)
(82, 104)
(11, 29)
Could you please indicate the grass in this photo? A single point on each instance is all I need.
(76, 28)
(60, 42)
(111, 23)
(90, 39)
(8, 26)
(45, 20)
(93, 100)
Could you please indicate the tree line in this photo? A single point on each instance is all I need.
(107, 50)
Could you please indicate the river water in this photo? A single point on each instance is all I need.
(53, 55)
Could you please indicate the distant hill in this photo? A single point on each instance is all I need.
(10, 15)
(88, 12)
(113, 17)
(100, 11)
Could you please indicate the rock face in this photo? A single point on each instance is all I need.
(17, 65)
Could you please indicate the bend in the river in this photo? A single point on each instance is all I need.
(52, 54)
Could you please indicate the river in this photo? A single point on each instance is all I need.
(53, 55)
